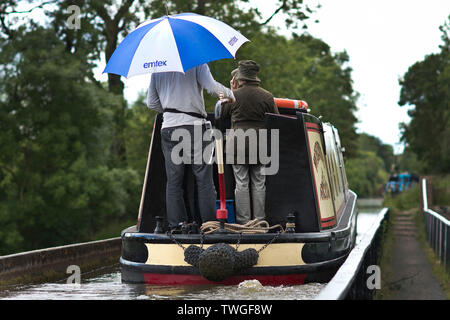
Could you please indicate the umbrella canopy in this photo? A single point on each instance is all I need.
(174, 43)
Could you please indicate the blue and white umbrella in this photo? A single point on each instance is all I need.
(174, 43)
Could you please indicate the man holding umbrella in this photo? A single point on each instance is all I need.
(180, 98)
(175, 50)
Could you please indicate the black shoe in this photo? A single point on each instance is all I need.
(194, 228)
(180, 228)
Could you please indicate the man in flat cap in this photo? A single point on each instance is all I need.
(247, 113)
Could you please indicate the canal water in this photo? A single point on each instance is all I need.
(105, 284)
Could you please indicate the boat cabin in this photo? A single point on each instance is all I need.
(310, 181)
(307, 195)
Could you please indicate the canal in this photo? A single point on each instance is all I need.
(105, 283)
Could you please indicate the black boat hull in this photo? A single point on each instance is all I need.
(292, 258)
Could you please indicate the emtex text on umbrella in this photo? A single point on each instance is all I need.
(155, 63)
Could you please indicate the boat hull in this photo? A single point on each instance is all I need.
(284, 259)
(141, 272)
(320, 272)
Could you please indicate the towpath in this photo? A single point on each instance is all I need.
(412, 277)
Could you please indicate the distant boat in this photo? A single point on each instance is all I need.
(400, 182)
(308, 197)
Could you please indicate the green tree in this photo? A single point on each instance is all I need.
(366, 174)
(108, 22)
(367, 142)
(408, 162)
(138, 133)
(55, 183)
(426, 86)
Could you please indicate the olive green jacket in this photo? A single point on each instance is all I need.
(247, 112)
(252, 102)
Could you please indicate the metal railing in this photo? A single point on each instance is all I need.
(351, 280)
(437, 228)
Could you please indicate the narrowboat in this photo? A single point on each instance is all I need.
(309, 229)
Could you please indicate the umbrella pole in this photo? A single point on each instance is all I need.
(221, 213)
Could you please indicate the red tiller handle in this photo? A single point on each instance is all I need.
(222, 213)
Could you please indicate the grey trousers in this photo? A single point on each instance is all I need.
(203, 174)
(249, 178)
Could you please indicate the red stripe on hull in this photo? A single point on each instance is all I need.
(328, 223)
(312, 125)
(193, 279)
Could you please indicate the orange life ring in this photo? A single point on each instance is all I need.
(290, 103)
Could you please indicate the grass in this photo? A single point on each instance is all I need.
(385, 262)
(441, 190)
(409, 200)
(437, 267)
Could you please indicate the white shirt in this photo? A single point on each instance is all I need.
(183, 92)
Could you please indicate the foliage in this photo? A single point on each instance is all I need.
(138, 132)
(367, 142)
(408, 199)
(366, 174)
(228, 11)
(55, 183)
(408, 162)
(426, 85)
(441, 190)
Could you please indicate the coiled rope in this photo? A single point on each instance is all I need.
(253, 226)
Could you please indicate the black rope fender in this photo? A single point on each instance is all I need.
(221, 260)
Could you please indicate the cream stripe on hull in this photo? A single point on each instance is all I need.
(275, 255)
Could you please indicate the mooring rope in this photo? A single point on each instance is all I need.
(253, 226)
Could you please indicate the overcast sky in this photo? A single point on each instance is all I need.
(382, 37)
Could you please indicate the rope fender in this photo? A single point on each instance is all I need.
(220, 260)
